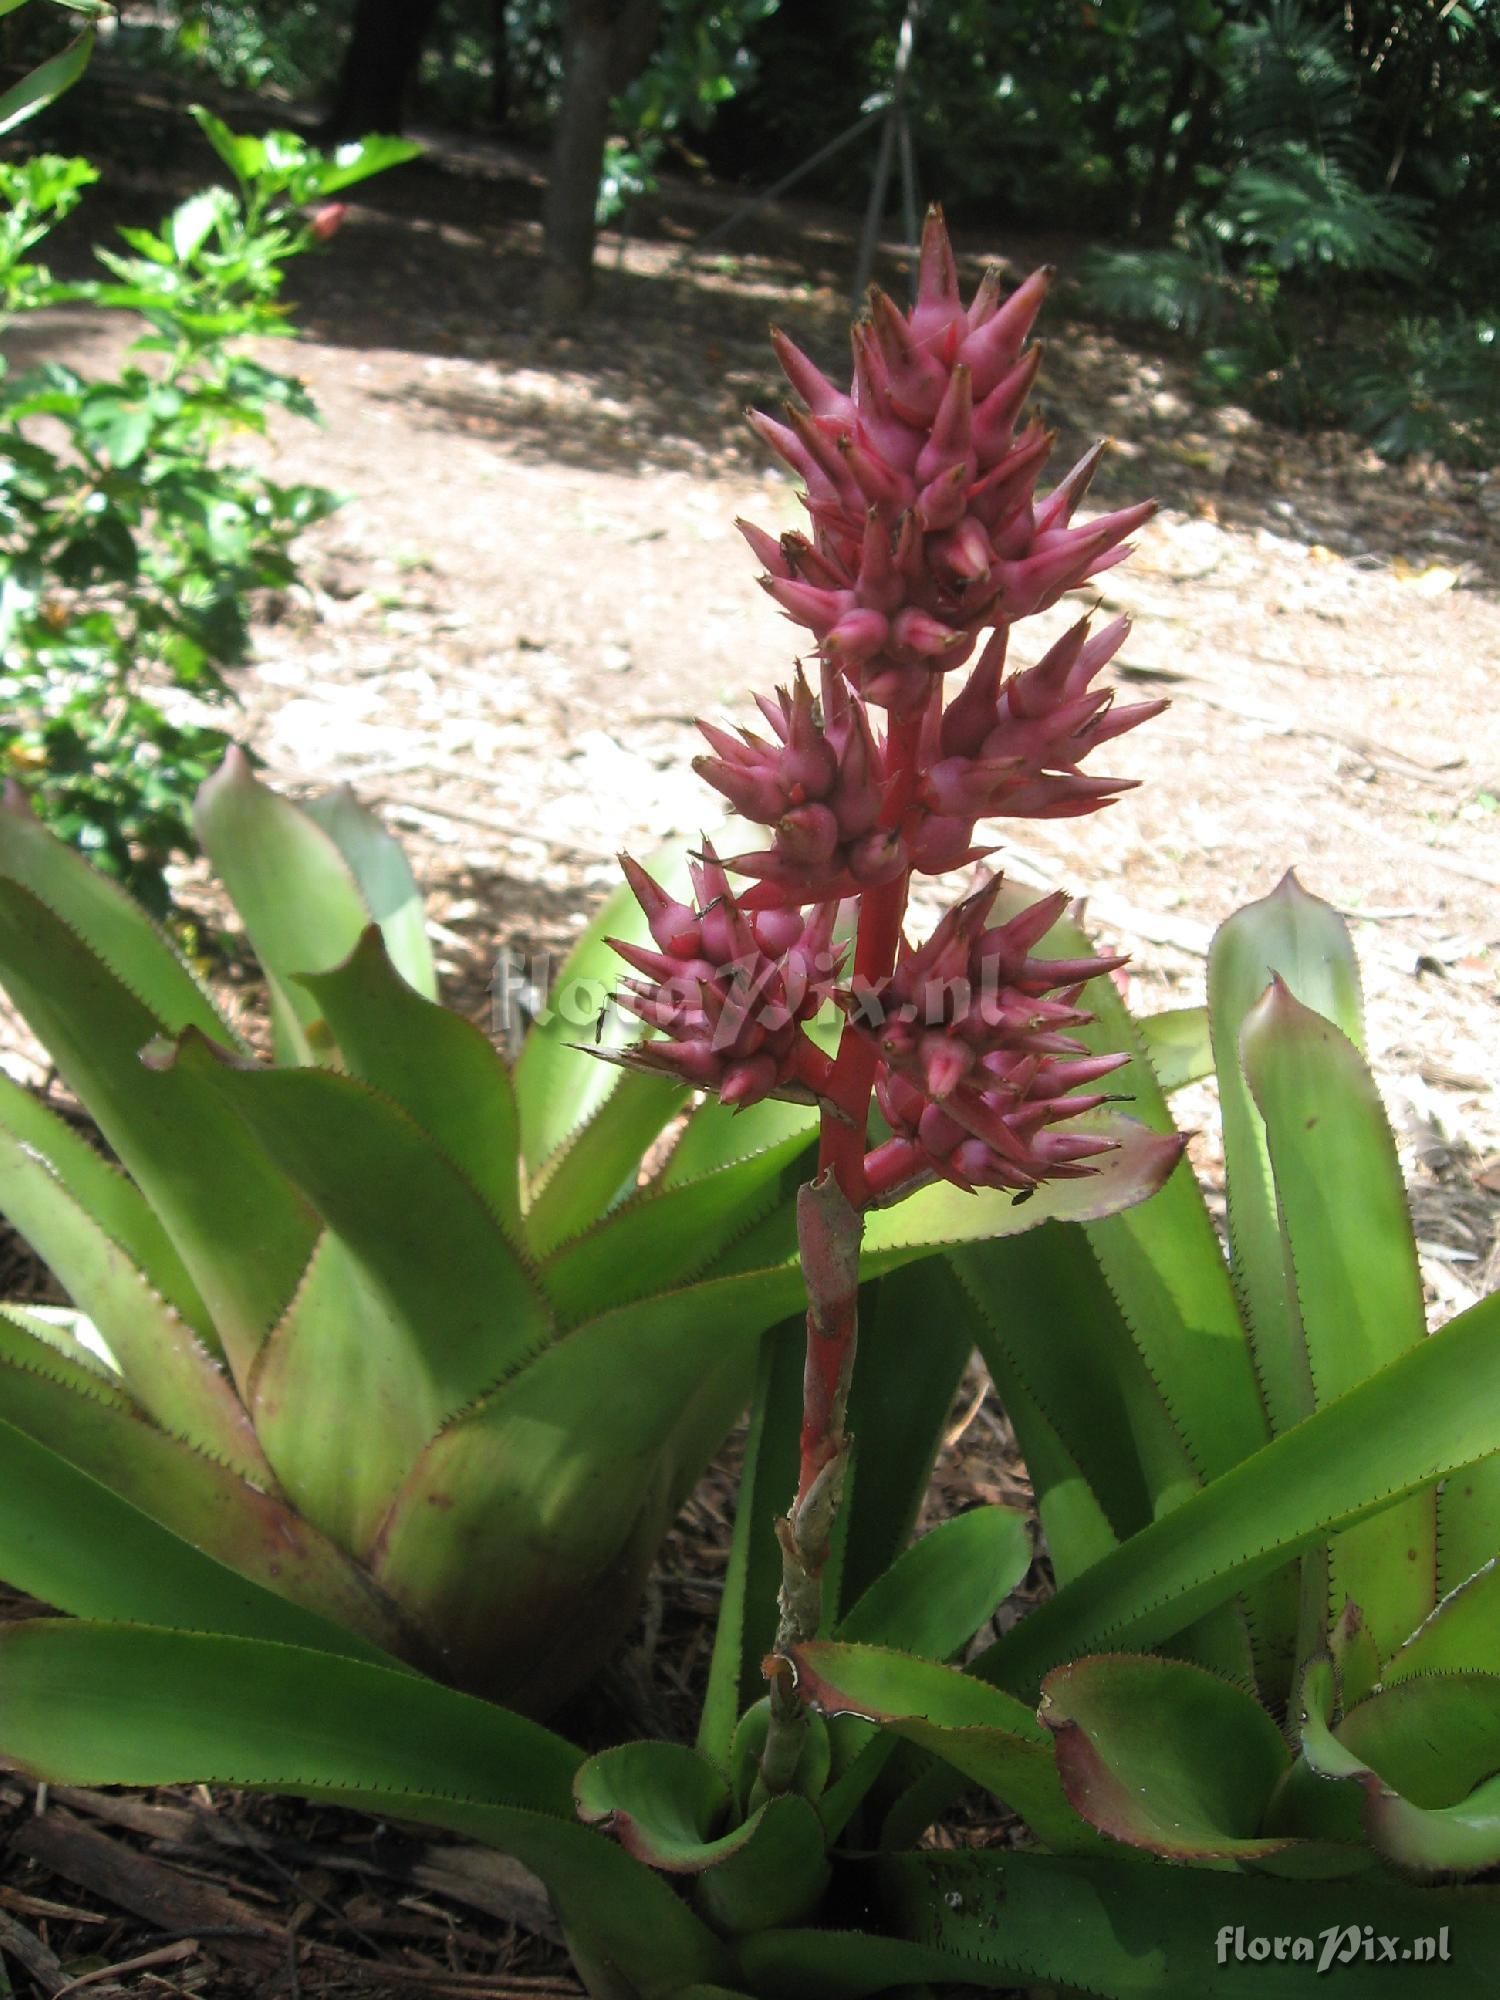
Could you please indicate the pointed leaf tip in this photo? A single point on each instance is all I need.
(163, 1052)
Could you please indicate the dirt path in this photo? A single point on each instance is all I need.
(537, 585)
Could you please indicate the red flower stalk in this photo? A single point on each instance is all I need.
(926, 531)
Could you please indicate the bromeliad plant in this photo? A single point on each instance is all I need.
(926, 532)
(378, 1334)
(1322, 1717)
(428, 1344)
(1225, 1457)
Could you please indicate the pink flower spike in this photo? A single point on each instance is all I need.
(755, 794)
(858, 635)
(994, 420)
(970, 716)
(748, 1081)
(809, 381)
(950, 440)
(938, 303)
(804, 604)
(787, 445)
(995, 340)
(673, 925)
(1057, 509)
(767, 548)
(986, 299)
(1115, 721)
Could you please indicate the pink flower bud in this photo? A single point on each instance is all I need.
(328, 219)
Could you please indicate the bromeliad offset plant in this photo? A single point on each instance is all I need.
(1133, 1364)
(926, 533)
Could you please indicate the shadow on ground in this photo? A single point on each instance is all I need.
(441, 259)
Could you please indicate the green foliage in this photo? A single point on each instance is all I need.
(400, 1343)
(1296, 225)
(130, 540)
(279, 45)
(56, 72)
(1430, 385)
(701, 61)
(1231, 1476)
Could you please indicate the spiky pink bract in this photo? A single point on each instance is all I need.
(921, 487)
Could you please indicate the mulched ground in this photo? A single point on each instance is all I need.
(506, 636)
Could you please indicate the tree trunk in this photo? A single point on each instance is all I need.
(385, 43)
(604, 46)
(499, 66)
(1149, 210)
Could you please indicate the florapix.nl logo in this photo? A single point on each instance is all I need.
(1335, 1946)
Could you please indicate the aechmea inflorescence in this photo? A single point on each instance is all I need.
(926, 533)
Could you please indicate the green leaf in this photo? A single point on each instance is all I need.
(110, 923)
(596, 1165)
(296, 895)
(1043, 1316)
(661, 1801)
(457, 1308)
(1161, 1260)
(660, 1240)
(993, 1739)
(1413, 1767)
(1461, 1636)
(1141, 1164)
(714, 1137)
(47, 81)
(83, 1704)
(80, 1699)
(746, 1624)
(897, 1415)
(242, 1232)
(358, 159)
(117, 428)
(936, 1594)
(558, 1087)
(243, 155)
(72, 1411)
(664, 1802)
(1422, 1418)
(1177, 1041)
(1164, 1756)
(597, 1440)
(929, 1602)
(437, 1066)
(191, 224)
(70, 1541)
(998, 1920)
(108, 1198)
(379, 865)
(1468, 1523)
(942, 1214)
(586, 1122)
(1072, 1521)
(167, 1369)
(1303, 941)
(1352, 1259)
